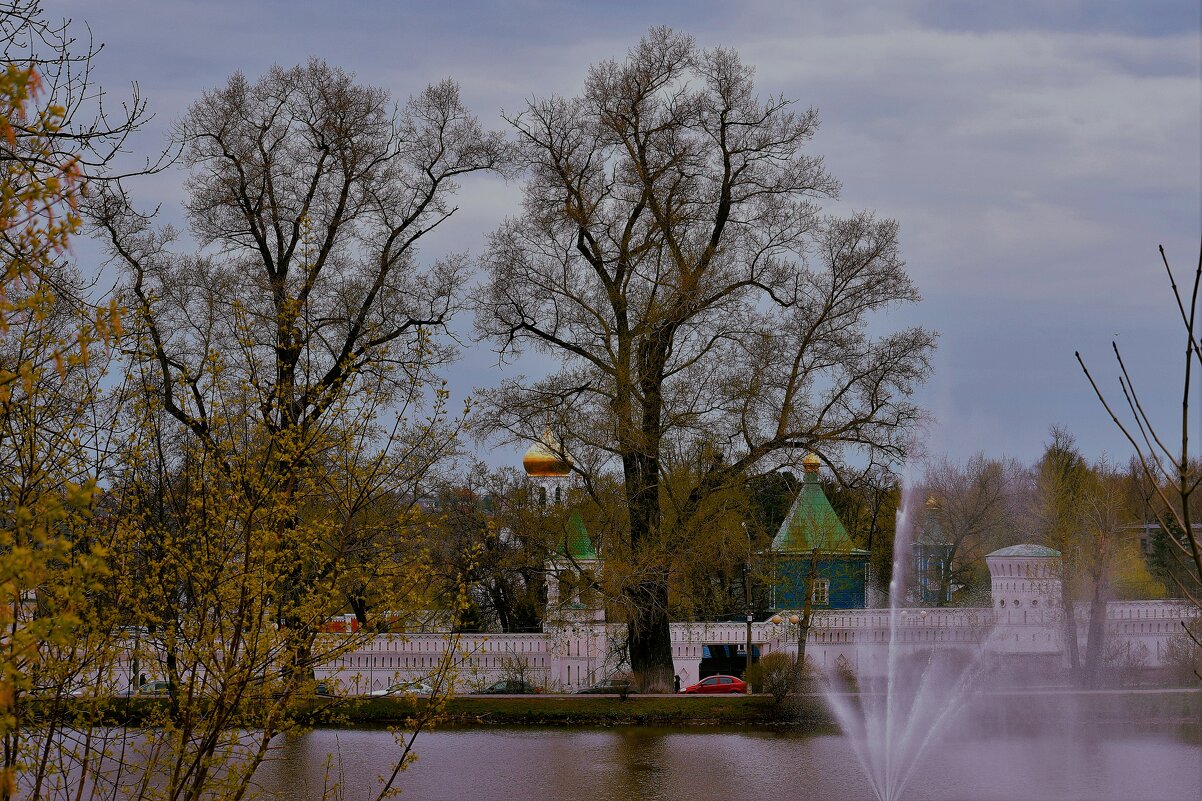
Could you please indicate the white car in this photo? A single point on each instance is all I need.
(405, 688)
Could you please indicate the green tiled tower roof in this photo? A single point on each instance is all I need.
(577, 544)
(812, 522)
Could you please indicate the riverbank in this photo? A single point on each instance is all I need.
(578, 710)
(806, 712)
(998, 709)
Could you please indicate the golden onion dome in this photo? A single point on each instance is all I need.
(543, 459)
(811, 463)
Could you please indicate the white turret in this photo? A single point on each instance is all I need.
(1026, 599)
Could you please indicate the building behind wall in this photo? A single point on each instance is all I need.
(577, 647)
(812, 537)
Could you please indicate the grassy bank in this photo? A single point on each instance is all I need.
(638, 710)
(807, 712)
(999, 710)
(485, 710)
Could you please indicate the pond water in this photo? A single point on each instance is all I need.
(634, 763)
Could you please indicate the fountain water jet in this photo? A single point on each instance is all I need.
(892, 723)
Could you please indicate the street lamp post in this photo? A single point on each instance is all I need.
(795, 620)
(750, 618)
(747, 600)
(747, 669)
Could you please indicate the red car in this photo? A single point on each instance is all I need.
(718, 684)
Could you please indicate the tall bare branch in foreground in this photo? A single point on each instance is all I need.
(1163, 460)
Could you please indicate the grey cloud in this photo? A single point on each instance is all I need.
(1034, 153)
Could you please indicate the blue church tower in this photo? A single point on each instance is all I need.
(812, 538)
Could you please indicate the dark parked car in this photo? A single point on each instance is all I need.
(718, 684)
(609, 687)
(510, 687)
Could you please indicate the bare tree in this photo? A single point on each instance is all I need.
(89, 134)
(309, 193)
(866, 500)
(1163, 460)
(971, 510)
(671, 254)
(59, 137)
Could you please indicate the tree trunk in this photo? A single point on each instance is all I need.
(649, 635)
(1095, 646)
(650, 638)
(803, 632)
(1070, 627)
(359, 607)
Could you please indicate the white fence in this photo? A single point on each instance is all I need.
(573, 656)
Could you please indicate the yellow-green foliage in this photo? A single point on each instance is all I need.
(213, 556)
(53, 559)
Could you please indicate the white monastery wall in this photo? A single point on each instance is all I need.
(573, 655)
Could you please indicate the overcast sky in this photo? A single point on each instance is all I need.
(1034, 153)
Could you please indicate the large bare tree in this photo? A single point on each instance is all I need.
(671, 255)
(308, 194)
(306, 312)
